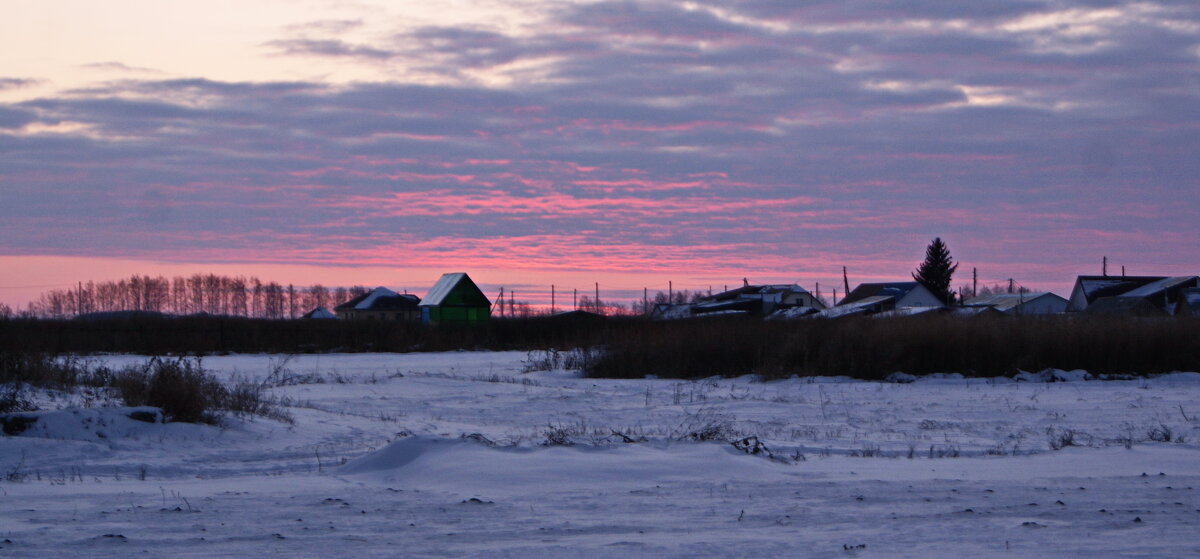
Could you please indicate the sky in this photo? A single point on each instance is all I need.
(625, 143)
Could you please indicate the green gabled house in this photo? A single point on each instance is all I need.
(455, 299)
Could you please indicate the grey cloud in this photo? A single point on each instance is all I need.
(120, 67)
(331, 26)
(645, 92)
(328, 47)
(14, 83)
(12, 118)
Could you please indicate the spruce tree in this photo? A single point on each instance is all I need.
(937, 270)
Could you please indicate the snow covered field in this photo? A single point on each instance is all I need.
(376, 465)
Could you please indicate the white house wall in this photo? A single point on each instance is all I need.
(1046, 304)
(919, 297)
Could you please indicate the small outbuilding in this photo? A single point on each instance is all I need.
(455, 299)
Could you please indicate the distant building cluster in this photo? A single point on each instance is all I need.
(1125, 295)
(454, 299)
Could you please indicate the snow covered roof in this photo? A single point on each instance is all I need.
(1159, 286)
(855, 307)
(865, 291)
(754, 290)
(380, 298)
(667, 311)
(1094, 287)
(447, 284)
(320, 313)
(794, 312)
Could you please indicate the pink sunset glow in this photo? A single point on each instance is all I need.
(629, 144)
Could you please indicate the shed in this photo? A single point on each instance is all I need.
(455, 299)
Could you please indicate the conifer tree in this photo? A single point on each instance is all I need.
(937, 270)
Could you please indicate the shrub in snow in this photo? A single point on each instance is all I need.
(185, 392)
(180, 387)
(900, 378)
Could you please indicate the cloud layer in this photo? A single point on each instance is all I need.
(776, 138)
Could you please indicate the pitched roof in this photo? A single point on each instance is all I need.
(854, 307)
(446, 285)
(1159, 286)
(319, 313)
(1095, 287)
(751, 290)
(378, 299)
(864, 290)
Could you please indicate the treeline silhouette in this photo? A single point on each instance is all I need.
(214, 334)
(199, 293)
(633, 347)
(872, 348)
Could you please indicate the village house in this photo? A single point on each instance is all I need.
(751, 300)
(901, 298)
(1139, 295)
(757, 300)
(381, 303)
(455, 299)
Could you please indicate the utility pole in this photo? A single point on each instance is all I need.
(1122, 270)
(835, 296)
(512, 295)
(575, 298)
(1104, 267)
(645, 300)
(552, 298)
(670, 292)
(974, 282)
(845, 280)
(500, 302)
(1010, 285)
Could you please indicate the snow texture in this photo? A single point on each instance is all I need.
(376, 293)
(464, 454)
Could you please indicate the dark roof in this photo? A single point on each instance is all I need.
(753, 290)
(744, 305)
(1095, 287)
(575, 316)
(380, 299)
(894, 289)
